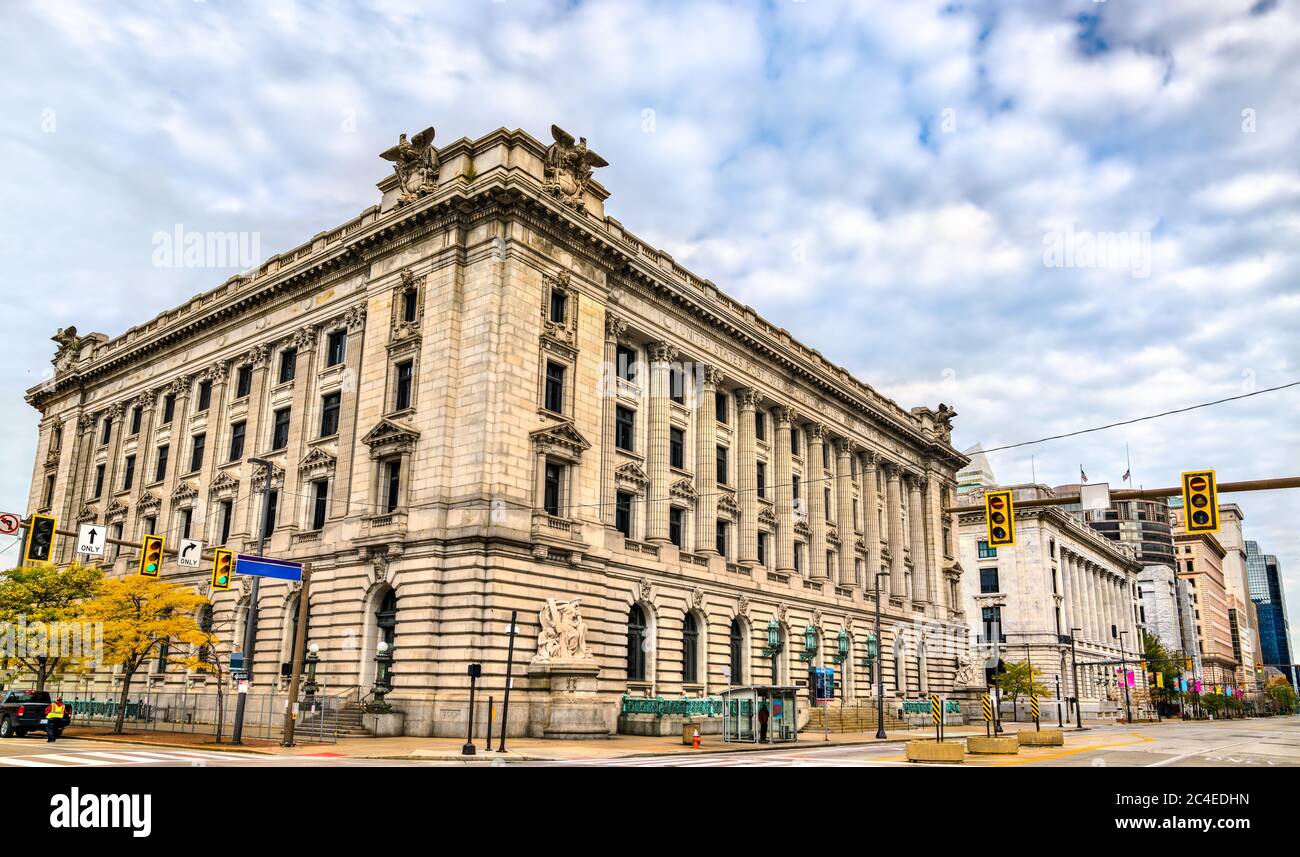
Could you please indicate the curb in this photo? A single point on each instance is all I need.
(129, 739)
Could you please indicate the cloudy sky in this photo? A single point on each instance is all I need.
(916, 189)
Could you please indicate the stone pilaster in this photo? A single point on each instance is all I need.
(706, 471)
(894, 521)
(178, 455)
(615, 327)
(871, 534)
(815, 485)
(257, 440)
(844, 451)
(782, 490)
(661, 356)
(218, 431)
(350, 432)
(745, 463)
(916, 523)
(1067, 591)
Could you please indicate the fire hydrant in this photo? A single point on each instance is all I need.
(695, 740)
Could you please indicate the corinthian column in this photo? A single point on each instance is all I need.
(747, 477)
(706, 459)
(782, 491)
(614, 328)
(815, 479)
(916, 522)
(870, 519)
(844, 450)
(894, 520)
(661, 355)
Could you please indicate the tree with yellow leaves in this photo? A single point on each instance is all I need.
(140, 615)
(45, 596)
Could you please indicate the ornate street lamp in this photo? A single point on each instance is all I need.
(309, 687)
(383, 665)
(843, 645)
(773, 638)
(809, 643)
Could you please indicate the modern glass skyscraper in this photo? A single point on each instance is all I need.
(1264, 574)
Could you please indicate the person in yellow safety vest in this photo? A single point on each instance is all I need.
(53, 711)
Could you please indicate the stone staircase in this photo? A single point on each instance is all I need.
(849, 719)
(341, 722)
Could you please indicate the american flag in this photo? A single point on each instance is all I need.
(1083, 477)
(1126, 476)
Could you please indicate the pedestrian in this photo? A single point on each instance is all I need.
(53, 711)
(762, 722)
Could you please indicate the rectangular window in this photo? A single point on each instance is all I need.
(989, 580)
(271, 513)
(320, 498)
(676, 385)
(393, 480)
(855, 514)
(205, 396)
(986, 552)
(288, 365)
(992, 618)
(106, 430)
(762, 549)
(244, 381)
(722, 466)
(676, 448)
(99, 480)
(721, 542)
(227, 517)
(236, 441)
(280, 431)
(336, 349)
(794, 441)
(832, 569)
(137, 416)
(197, 449)
(113, 551)
(559, 304)
(169, 408)
(623, 513)
(761, 478)
(826, 503)
(551, 496)
(720, 406)
(826, 456)
(677, 525)
(187, 522)
(329, 414)
(624, 428)
(626, 363)
(409, 305)
(760, 425)
(554, 388)
(49, 492)
(405, 376)
(794, 490)
(160, 470)
(798, 558)
(150, 526)
(128, 473)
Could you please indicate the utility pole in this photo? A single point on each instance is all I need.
(1074, 662)
(250, 623)
(880, 668)
(299, 651)
(510, 669)
(1123, 675)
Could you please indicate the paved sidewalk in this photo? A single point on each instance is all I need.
(523, 749)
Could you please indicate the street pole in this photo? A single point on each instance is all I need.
(299, 652)
(880, 672)
(1078, 697)
(1059, 722)
(510, 666)
(997, 683)
(475, 670)
(1123, 674)
(250, 623)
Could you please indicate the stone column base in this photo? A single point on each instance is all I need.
(573, 709)
(389, 724)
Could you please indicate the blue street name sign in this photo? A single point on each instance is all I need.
(260, 566)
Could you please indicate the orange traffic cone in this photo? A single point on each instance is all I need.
(695, 740)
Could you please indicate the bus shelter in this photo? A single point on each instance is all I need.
(741, 709)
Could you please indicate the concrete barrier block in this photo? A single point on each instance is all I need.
(1041, 738)
(981, 745)
(934, 752)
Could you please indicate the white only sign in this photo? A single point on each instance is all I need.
(189, 554)
(90, 539)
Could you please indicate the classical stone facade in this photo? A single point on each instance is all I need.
(1061, 579)
(484, 395)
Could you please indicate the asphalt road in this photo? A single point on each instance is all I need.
(1265, 743)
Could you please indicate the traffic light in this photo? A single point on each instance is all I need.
(151, 556)
(223, 568)
(1188, 663)
(1000, 513)
(40, 539)
(1200, 501)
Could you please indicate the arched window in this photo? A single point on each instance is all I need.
(636, 643)
(737, 652)
(386, 618)
(690, 649)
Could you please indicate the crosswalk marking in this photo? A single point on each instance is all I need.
(27, 763)
(94, 758)
(75, 760)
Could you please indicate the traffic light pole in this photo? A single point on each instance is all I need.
(1144, 494)
(299, 652)
(250, 624)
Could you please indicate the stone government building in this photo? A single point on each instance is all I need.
(485, 395)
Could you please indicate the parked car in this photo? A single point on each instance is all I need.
(23, 711)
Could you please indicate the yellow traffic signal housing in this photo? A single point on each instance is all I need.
(1200, 502)
(223, 568)
(40, 539)
(151, 556)
(999, 512)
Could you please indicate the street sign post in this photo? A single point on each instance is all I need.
(260, 566)
(90, 540)
(936, 716)
(190, 553)
(986, 704)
